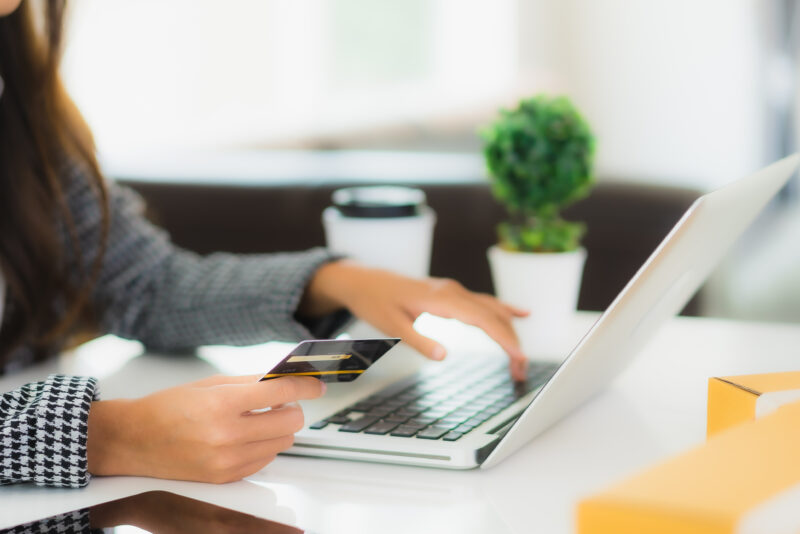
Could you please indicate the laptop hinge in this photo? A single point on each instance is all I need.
(500, 430)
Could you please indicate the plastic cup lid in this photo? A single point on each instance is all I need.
(379, 201)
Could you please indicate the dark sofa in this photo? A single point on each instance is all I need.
(625, 221)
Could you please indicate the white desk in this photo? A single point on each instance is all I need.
(655, 409)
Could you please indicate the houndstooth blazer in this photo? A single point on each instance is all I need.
(152, 291)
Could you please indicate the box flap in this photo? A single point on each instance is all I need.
(707, 489)
(729, 404)
(768, 382)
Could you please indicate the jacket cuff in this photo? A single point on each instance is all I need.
(58, 431)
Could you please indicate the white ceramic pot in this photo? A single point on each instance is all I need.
(547, 284)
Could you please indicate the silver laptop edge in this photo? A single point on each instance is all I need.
(659, 290)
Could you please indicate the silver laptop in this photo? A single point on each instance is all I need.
(467, 413)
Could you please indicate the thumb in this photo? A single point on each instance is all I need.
(219, 380)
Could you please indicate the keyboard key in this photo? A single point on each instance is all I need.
(418, 426)
(463, 429)
(475, 421)
(405, 431)
(381, 427)
(379, 411)
(416, 405)
(396, 418)
(423, 420)
(408, 412)
(448, 424)
(358, 425)
(432, 432)
(503, 404)
(464, 413)
(376, 398)
(338, 419)
(451, 420)
(318, 425)
(436, 413)
(452, 436)
(493, 409)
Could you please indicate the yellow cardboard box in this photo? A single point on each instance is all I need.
(737, 399)
(742, 481)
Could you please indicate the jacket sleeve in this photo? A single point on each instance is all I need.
(172, 299)
(43, 431)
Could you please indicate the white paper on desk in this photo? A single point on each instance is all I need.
(766, 403)
(776, 515)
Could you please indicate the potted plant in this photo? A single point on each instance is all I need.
(539, 157)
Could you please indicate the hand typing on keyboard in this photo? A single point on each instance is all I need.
(392, 302)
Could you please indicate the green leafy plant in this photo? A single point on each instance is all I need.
(539, 157)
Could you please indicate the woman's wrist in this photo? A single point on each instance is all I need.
(107, 441)
(328, 288)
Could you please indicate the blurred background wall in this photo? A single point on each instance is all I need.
(679, 92)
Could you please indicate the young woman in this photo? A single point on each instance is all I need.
(75, 249)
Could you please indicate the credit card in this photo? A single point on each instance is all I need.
(332, 360)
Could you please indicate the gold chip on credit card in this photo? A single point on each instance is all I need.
(332, 360)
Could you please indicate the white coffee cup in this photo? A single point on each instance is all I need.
(382, 226)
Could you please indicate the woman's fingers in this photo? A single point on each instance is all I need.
(506, 311)
(517, 312)
(264, 450)
(508, 308)
(496, 324)
(474, 311)
(275, 392)
(502, 311)
(498, 328)
(253, 457)
(252, 468)
(273, 433)
(483, 311)
(219, 380)
(401, 325)
(257, 427)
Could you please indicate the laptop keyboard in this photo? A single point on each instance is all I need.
(443, 406)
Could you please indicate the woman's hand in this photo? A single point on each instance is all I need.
(392, 302)
(202, 431)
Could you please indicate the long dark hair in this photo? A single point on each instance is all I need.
(39, 130)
